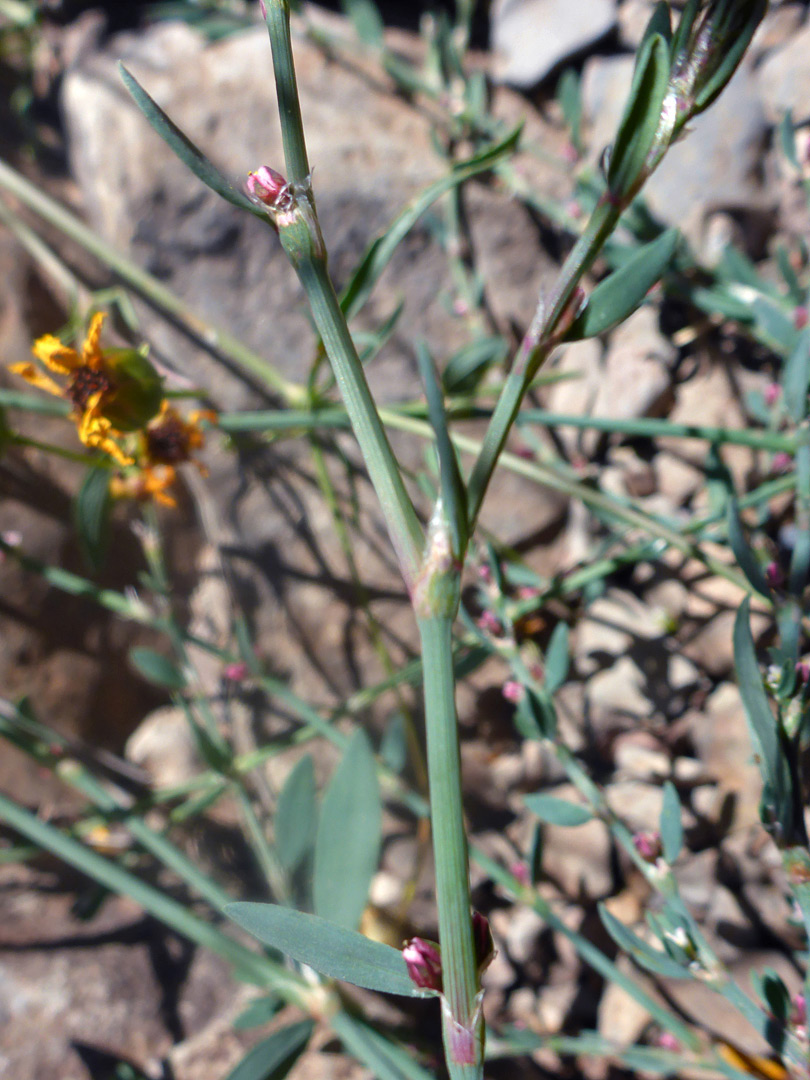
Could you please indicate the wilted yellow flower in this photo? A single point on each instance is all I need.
(166, 442)
(111, 391)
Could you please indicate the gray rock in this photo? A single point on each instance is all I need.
(784, 78)
(531, 37)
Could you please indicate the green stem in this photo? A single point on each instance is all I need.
(535, 348)
(289, 108)
(386, 478)
(459, 968)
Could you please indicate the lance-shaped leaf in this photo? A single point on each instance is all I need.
(189, 154)
(347, 843)
(454, 496)
(639, 126)
(670, 824)
(557, 811)
(296, 815)
(660, 963)
(749, 564)
(621, 293)
(776, 795)
(332, 950)
(273, 1057)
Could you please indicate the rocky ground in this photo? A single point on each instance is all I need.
(652, 694)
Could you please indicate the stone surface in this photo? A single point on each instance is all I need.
(784, 78)
(532, 37)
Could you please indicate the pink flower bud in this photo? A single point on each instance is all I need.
(423, 960)
(782, 462)
(513, 691)
(263, 9)
(648, 845)
(482, 938)
(774, 575)
(235, 672)
(667, 1041)
(800, 318)
(488, 622)
(267, 186)
(771, 393)
(803, 671)
(521, 871)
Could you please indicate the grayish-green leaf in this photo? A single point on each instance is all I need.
(156, 668)
(91, 515)
(258, 1012)
(639, 124)
(671, 827)
(618, 296)
(557, 658)
(366, 20)
(557, 811)
(386, 1059)
(651, 959)
(296, 815)
(454, 496)
(189, 154)
(796, 377)
(273, 1057)
(748, 562)
(347, 843)
(332, 950)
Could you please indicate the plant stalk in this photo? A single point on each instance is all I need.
(461, 1015)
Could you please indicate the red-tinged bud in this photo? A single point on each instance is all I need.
(800, 318)
(269, 187)
(772, 393)
(235, 672)
(774, 575)
(482, 940)
(423, 960)
(513, 691)
(648, 845)
(782, 462)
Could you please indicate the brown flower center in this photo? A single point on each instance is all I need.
(86, 381)
(167, 443)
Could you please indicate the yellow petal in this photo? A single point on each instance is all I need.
(56, 356)
(90, 351)
(31, 373)
(94, 431)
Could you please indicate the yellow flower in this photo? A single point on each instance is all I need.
(166, 442)
(111, 391)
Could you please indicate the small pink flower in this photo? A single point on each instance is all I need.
(528, 592)
(263, 9)
(771, 393)
(520, 871)
(803, 670)
(485, 573)
(235, 672)
(798, 1015)
(267, 186)
(460, 307)
(781, 462)
(774, 575)
(513, 691)
(667, 1041)
(423, 960)
(800, 318)
(488, 622)
(648, 845)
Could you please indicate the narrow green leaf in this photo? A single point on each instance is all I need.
(773, 324)
(454, 497)
(642, 114)
(91, 515)
(747, 560)
(618, 296)
(569, 96)
(273, 1057)
(366, 20)
(557, 658)
(184, 148)
(787, 140)
(671, 826)
(761, 723)
(156, 668)
(732, 49)
(796, 378)
(296, 814)
(386, 1059)
(465, 369)
(332, 950)
(644, 955)
(394, 744)
(258, 1012)
(557, 811)
(347, 844)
